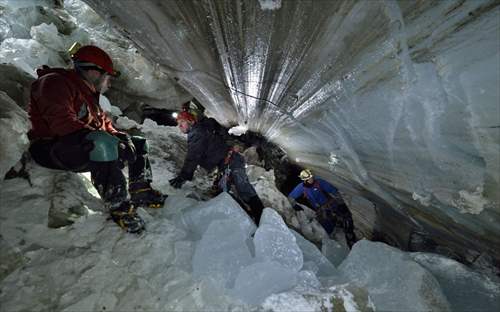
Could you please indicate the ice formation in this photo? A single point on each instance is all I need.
(14, 126)
(394, 102)
(386, 99)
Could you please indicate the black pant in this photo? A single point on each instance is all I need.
(71, 153)
(328, 215)
(244, 189)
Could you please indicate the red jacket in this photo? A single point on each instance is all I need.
(61, 103)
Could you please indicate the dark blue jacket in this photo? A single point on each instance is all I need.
(206, 148)
(316, 194)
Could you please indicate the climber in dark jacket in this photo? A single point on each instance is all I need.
(208, 149)
(327, 203)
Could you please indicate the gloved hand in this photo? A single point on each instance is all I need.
(126, 147)
(176, 182)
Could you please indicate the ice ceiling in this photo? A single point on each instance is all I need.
(395, 101)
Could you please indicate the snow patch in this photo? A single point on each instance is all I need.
(125, 123)
(422, 199)
(473, 203)
(333, 160)
(238, 130)
(13, 133)
(107, 107)
(270, 4)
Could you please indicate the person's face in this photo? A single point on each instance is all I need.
(309, 181)
(104, 83)
(100, 80)
(184, 126)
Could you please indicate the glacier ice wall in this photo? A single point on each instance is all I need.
(395, 101)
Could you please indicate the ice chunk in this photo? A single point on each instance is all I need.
(18, 4)
(221, 252)
(307, 281)
(70, 198)
(238, 130)
(264, 183)
(291, 301)
(339, 298)
(48, 36)
(334, 251)
(28, 54)
(274, 242)
(107, 107)
(466, 290)
(259, 280)
(183, 251)
(13, 130)
(394, 281)
(10, 258)
(126, 123)
(270, 4)
(197, 219)
(310, 266)
(312, 254)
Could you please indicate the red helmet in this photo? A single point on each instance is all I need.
(96, 56)
(186, 116)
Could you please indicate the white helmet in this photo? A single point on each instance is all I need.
(305, 175)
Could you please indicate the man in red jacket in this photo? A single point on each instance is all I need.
(71, 132)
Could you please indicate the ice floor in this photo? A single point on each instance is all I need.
(203, 255)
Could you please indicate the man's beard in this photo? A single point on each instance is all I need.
(99, 83)
(102, 85)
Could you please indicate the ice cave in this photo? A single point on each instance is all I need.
(395, 102)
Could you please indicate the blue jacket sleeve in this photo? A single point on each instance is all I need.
(327, 187)
(297, 191)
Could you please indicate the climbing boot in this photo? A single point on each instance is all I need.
(144, 195)
(127, 218)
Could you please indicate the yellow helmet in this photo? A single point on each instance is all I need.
(305, 175)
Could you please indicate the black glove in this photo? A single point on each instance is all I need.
(176, 182)
(297, 207)
(126, 147)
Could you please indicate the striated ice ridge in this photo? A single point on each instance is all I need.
(465, 289)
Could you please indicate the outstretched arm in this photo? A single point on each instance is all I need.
(294, 194)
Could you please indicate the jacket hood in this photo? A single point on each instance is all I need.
(45, 70)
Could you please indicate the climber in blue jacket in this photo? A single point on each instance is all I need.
(325, 199)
